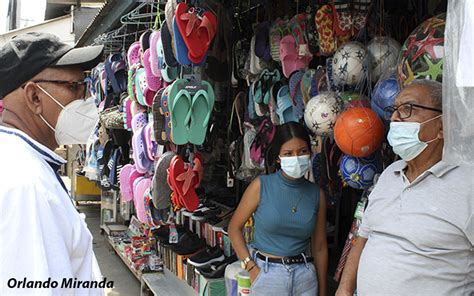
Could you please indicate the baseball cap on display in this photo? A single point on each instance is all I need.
(26, 55)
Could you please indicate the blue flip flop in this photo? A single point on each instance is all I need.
(285, 106)
(296, 93)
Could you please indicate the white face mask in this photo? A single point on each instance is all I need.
(295, 166)
(404, 139)
(76, 122)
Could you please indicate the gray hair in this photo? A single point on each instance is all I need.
(435, 89)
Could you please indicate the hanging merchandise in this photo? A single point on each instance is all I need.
(358, 132)
(359, 173)
(321, 113)
(349, 65)
(383, 95)
(325, 24)
(353, 99)
(423, 51)
(384, 53)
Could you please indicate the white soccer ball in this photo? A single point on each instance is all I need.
(383, 55)
(349, 64)
(321, 113)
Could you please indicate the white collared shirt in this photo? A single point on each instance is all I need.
(41, 233)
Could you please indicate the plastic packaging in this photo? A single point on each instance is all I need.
(458, 102)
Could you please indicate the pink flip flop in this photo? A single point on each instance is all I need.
(141, 187)
(290, 60)
(153, 81)
(133, 55)
(126, 192)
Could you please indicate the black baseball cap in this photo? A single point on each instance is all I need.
(26, 55)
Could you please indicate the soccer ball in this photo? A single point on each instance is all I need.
(321, 113)
(349, 64)
(358, 173)
(383, 55)
(423, 51)
(383, 95)
(358, 132)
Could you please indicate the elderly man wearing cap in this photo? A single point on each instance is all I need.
(417, 233)
(46, 247)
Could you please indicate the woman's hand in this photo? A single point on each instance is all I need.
(254, 273)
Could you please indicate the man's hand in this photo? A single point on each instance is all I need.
(254, 273)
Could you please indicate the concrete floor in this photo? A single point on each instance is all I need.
(112, 267)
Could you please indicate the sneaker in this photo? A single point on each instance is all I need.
(189, 243)
(206, 257)
(217, 270)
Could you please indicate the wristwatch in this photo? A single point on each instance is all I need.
(244, 262)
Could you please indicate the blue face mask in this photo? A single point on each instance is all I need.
(404, 139)
(295, 166)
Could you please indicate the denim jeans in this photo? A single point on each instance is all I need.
(278, 279)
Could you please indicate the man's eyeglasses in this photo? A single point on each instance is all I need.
(77, 87)
(405, 110)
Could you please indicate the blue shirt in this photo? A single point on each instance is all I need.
(279, 230)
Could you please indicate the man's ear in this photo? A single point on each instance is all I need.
(441, 133)
(32, 100)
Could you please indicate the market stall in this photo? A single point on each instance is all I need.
(190, 93)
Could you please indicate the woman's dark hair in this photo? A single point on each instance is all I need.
(283, 134)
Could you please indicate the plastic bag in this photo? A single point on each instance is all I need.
(458, 102)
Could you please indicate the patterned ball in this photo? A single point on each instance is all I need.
(422, 53)
(357, 172)
(321, 113)
(384, 94)
(349, 64)
(384, 53)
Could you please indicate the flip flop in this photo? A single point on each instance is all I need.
(343, 17)
(167, 41)
(133, 54)
(252, 113)
(181, 48)
(150, 145)
(140, 86)
(127, 113)
(290, 59)
(126, 193)
(197, 34)
(179, 101)
(285, 106)
(159, 119)
(134, 175)
(161, 193)
(359, 15)
(325, 25)
(296, 94)
(145, 40)
(181, 177)
(142, 186)
(255, 63)
(198, 169)
(140, 158)
(169, 74)
(201, 109)
(272, 104)
(115, 68)
(154, 37)
(262, 46)
(306, 85)
(166, 112)
(153, 82)
(277, 31)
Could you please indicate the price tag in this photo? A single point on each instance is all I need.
(303, 50)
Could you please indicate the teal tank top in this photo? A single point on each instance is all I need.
(279, 230)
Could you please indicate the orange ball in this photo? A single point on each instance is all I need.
(358, 132)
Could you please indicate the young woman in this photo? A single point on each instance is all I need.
(288, 212)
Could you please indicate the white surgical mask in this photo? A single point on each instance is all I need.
(295, 166)
(76, 122)
(404, 139)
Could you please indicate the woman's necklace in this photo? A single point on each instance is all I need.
(294, 209)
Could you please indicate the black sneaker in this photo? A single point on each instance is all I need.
(189, 243)
(206, 257)
(217, 270)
